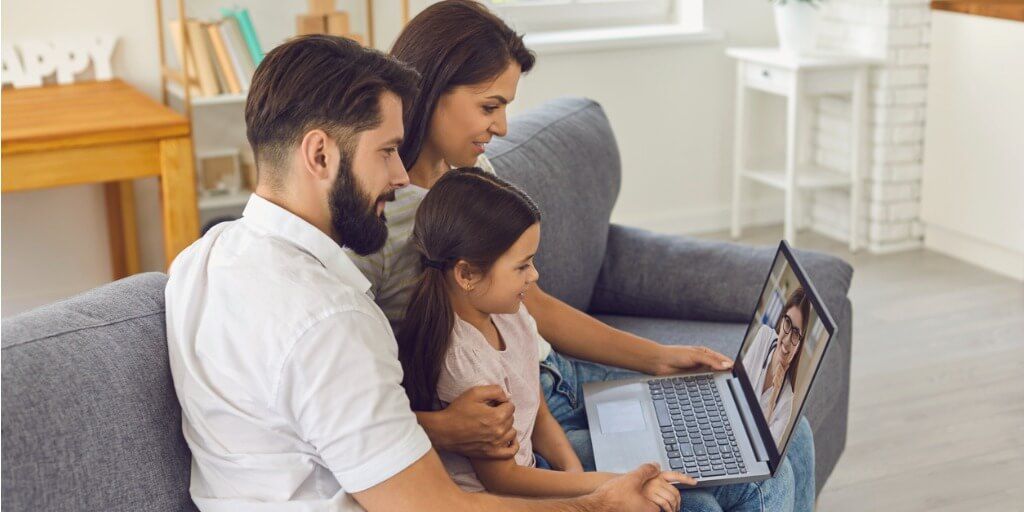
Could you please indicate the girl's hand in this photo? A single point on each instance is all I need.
(669, 359)
(661, 492)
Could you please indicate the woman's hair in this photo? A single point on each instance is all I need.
(798, 299)
(452, 43)
(468, 215)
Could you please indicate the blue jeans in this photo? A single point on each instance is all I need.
(792, 487)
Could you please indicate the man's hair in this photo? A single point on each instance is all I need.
(318, 82)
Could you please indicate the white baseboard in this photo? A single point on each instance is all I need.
(691, 221)
(1000, 260)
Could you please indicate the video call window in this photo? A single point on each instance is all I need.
(782, 349)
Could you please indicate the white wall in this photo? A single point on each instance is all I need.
(973, 183)
(670, 107)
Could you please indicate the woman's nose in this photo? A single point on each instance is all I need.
(500, 126)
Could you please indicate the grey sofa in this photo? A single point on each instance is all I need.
(90, 420)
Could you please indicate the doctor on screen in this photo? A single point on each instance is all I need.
(771, 361)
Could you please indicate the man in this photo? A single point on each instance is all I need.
(286, 370)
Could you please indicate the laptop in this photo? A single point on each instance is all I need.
(722, 427)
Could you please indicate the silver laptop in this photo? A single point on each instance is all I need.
(729, 426)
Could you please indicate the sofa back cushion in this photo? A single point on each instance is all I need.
(90, 419)
(563, 154)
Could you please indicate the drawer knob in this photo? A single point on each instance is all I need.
(764, 73)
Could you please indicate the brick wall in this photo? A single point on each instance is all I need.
(896, 30)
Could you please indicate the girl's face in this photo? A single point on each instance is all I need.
(789, 342)
(468, 116)
(503, 289)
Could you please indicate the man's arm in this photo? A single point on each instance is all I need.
(477, 424)
(582, 336)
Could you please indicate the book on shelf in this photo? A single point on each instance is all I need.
(203, 58)
(237, 48)
(241, 16)
(222, 55)
(227, 67)
(183, 58)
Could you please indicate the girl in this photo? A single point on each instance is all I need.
(465, 325)
(470, 63)
(773, 359)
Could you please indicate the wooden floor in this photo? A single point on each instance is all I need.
(937, 384)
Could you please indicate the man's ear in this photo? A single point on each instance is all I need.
(316, 150)
(465, 275)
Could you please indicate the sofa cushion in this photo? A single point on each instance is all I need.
(564, 155)
(90, 419)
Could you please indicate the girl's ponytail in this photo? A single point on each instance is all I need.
(425, 336)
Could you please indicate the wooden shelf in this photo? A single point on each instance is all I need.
(808, 178)
(198, 101)
(1003, 9)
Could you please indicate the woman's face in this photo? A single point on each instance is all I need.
(790, 342)
(468, 116)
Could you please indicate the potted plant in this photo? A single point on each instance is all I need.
(797, 24)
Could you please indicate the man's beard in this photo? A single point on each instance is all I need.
(354, 217)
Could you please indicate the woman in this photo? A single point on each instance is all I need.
(470, 64)
(773, 359)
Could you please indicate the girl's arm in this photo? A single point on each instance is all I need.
(550, 441)
(504, 476)
(582, 336)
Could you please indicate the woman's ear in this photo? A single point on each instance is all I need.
(465, 276)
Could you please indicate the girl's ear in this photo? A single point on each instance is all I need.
(465, 276)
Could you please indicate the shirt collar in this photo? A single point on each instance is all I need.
(284, 224)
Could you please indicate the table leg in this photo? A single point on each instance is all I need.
(738, 156)
(792, 138)
(178, 191)
(124, 243)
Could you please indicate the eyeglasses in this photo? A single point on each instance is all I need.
(788, 328)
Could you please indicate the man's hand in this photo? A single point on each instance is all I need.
(478, 425)
(627, 491)
(669, 359)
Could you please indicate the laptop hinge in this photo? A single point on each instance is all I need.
(748, 419)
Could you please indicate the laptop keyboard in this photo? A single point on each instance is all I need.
(695, 427)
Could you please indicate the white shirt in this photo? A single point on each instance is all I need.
(472, 361)
(286, 371)
(395, 269)
(754, 363)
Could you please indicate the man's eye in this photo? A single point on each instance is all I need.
(391, 151)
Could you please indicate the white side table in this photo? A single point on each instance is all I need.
(797, 79)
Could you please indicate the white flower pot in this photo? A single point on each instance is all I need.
(797, 24)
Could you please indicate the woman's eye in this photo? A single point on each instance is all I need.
(490, 109)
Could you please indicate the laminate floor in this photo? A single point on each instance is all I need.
(937, 384)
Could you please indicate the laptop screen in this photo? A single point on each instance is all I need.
(784, 344)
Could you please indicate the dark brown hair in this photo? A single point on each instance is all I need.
(453, 43)
(319, 81)
(468, 215)
(798, 299)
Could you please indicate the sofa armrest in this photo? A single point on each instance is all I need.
(666, 276)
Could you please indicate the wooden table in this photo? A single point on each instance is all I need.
(109, 133)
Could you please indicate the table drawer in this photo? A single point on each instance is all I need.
(768, 78)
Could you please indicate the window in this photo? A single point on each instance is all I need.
(553, 15)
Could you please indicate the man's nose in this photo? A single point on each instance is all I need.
(397, 175)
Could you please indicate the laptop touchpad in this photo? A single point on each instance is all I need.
(621, 416)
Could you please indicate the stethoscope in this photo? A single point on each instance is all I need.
(771, 349)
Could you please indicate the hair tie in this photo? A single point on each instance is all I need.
(433, 264)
